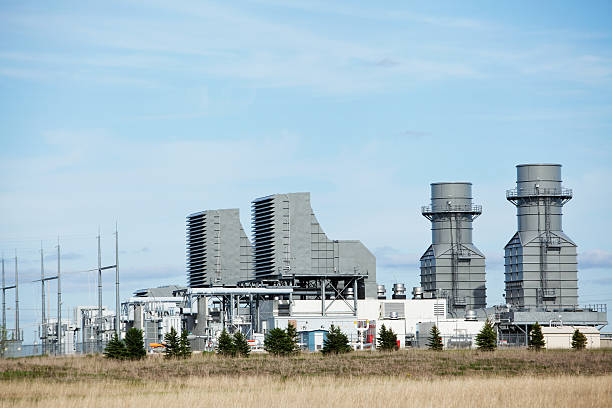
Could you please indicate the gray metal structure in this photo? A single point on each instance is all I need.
(540, 259)
(218, 250)
(289, 243)
(452, 267)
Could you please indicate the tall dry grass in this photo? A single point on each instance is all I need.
(413, 363)
(261, 390)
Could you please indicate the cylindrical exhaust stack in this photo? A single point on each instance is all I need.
(381, 292)
(541, 268)
(452, 267)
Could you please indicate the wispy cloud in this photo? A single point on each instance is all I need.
(595, 258)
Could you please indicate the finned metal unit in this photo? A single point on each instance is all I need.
(540, 260)
(452, 267)
(218, 250)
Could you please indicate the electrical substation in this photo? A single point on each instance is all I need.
(291, 273)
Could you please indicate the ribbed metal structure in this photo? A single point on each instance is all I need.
(452, 267)
(264, 240)
(540, 259)
(196, 250)
(218, 250)
(289, 241)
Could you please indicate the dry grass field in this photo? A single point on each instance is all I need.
(509, 378)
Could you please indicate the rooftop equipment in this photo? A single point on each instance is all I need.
(417, 292)
(399, 291)
(381, 291)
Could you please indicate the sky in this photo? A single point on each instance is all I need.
(139, 113)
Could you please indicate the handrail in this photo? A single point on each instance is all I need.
(451, 208)
(539, 192)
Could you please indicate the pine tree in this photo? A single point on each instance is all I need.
(387, 340)
(336, 342)
(487, 338)
(435, 340)
(536, 338)
(277, 342)
(134, 344)
(241, 345)
(172, 343)
(292, 339)
(115, 348)
(225, 344)
(579, 340)
(184, 346)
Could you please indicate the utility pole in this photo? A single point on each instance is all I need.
(3, 301)
(99, 294)
(59, 303)
(117, 305)
(17, 299)
(43, 334)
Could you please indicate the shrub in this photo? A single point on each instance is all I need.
(241, 346)
(387, 340)
(172, 343)
(536, 338)
(225, 345)
(435, 340)
(487, 338)
(336, 342)
(579, 340)
(115, 348)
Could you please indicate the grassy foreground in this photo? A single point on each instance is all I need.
(414, 377)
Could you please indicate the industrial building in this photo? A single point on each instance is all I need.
(218, 250)
(540, 259)
(452, 267)
(541, 274)
(291, 247)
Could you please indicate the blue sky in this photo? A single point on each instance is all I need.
(143, 112)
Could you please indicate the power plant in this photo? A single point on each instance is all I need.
(292, 273)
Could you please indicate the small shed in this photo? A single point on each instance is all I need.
(312, 340)
(560, 337)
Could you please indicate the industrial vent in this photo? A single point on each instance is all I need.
(263, 237)
(196, 250)
(396, 308)
(439, 309)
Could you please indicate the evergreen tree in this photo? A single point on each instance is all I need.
(579, 340)
(184, 346)
(172, 343)
(336, 342)
(387, 340)
(277, 342)
(134, 344)
(292, 339)
(536, 338)
(487, 338)
(435, 340)
(225, 344)
(115, 348)
(241, 345)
